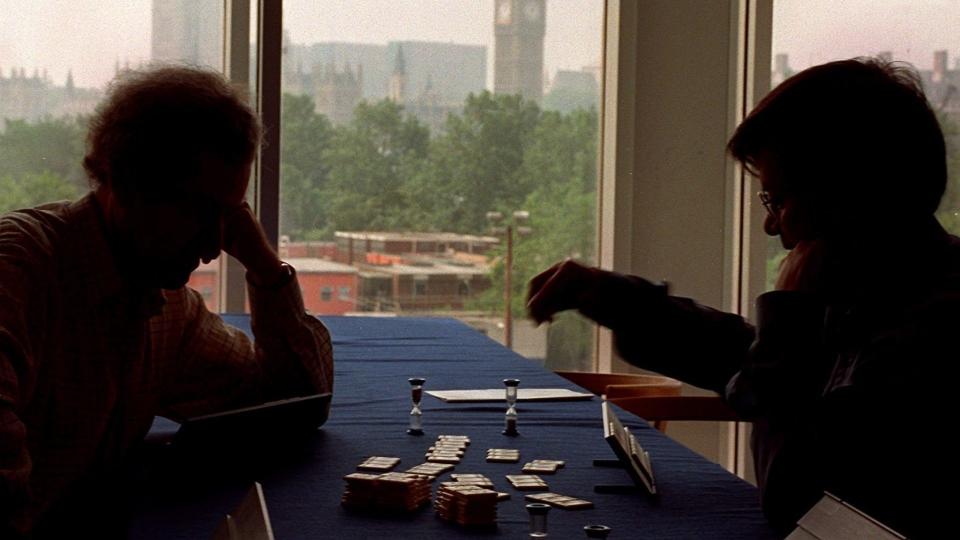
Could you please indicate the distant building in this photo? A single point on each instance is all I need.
(34, 97)
(572, 90)
(941, 86)
(327, 287)
(397, 91)
(189, 31)
(337, 92)
(453, 70)
(321, 250)
(304, 59)
(416, 271)
(354, 247)
(423, 285)
(429, 79)
(519, 27)
(204, 281)
(430, 109)
(781, 69)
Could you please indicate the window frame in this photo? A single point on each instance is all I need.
(619, 129)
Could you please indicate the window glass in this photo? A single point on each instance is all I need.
(408, 125)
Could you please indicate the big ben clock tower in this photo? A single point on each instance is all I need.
(519, 27)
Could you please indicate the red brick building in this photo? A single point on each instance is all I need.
(328, 288)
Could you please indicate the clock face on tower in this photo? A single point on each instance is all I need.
(531, 10)
(503, 12)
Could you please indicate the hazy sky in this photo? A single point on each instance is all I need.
(816, 31)
(90, 35)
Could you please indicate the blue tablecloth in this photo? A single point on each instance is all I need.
(374, 357)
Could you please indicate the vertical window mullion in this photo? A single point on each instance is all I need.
(270, 47)
(236, 67)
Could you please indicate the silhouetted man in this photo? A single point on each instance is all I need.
(98, 332)
(847, 373)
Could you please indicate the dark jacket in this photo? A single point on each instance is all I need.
(848, 395)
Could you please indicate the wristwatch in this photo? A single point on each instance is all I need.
(286, 274)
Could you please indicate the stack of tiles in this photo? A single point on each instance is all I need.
(389, 492)
(478, 480)
(527, 482)
(542, 466)
(560, 501)
(467, 505)
(430, 470)
(378, 463)
(503, 455)
(448, 449)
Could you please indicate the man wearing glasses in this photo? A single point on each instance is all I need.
(847, 372)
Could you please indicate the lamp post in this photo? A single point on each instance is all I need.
(507, 230)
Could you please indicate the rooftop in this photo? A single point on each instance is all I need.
(415, 236)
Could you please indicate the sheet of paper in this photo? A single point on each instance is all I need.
(498, 394)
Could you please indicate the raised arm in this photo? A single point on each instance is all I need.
(653, 330)
(219, 367)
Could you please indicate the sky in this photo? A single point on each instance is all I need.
(46, 34)
(89, 36)
(817, 31)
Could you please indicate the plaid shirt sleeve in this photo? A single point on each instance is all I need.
(219, 368)
(23, 264)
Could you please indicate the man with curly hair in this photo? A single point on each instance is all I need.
(98, 332)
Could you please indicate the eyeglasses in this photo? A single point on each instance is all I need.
(772, 204)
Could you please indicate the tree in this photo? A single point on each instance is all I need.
(305, 137)
(949, 212)
(560, 168)
(370, 160)
(472, 167)
(55, 145)
(34, 188)
(41, 161)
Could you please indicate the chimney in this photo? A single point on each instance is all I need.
(939, 65)
(781, 63)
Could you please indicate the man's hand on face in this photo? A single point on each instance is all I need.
(804, 268)
(565, 285)
(243, 237)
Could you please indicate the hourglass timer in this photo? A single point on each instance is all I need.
(416, 415)
(538, 519)
(510, 422)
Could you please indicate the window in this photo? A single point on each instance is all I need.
(420, 288)
(416, 117)
(326, 294)
(404, 123)
(345, 294)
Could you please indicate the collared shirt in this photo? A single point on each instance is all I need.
(86, 361)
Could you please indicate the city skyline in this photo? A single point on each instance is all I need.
(43, 35)
(120, 31)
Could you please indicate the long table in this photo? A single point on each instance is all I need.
(180, 496)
